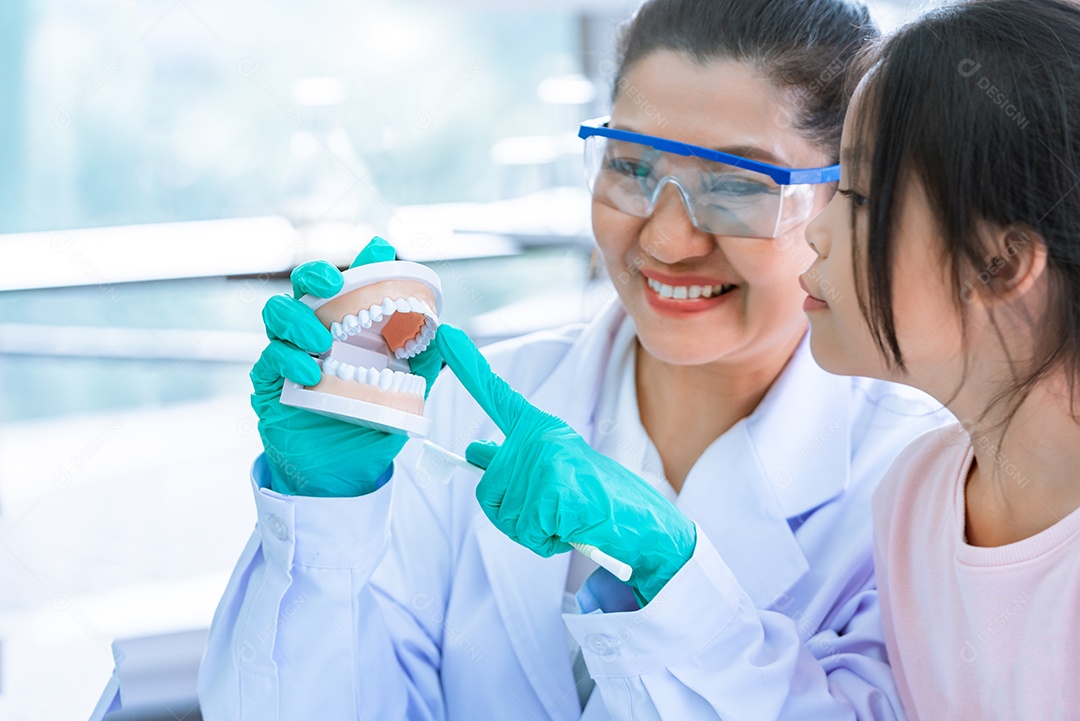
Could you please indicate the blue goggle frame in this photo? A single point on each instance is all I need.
(779, 174)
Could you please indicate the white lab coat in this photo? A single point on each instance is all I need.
(408, 604)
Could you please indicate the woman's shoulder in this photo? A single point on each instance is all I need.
(524, 362)
(532, 355)
(872, 396)
(888, 415)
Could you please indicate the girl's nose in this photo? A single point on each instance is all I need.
(817, 233)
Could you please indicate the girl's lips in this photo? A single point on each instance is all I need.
(812, 302)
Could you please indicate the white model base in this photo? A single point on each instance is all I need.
(350, 410)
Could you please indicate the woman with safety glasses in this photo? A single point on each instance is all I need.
(685, 431)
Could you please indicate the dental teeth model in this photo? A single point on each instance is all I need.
(386, 313)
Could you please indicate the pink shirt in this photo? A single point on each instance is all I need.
(973, 633)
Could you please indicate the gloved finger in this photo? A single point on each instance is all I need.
(427, 365)
(283, 360)
(548, 547)
(290, 320)
(552, 511)
(377, 250)
(317, 277)
(490, 492)
(537, 530)
(480, 453)
(502, 403)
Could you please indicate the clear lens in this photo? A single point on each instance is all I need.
(720, 198)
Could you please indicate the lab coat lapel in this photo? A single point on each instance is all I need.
(528, 592)
(529, 589)
(730, 500)
(802, 433)
(789, 456)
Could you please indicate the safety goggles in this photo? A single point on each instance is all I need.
(725, 194)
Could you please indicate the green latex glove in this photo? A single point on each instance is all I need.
(545, 486)
(311, 454)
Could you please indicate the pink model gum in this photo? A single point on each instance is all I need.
(371, 394)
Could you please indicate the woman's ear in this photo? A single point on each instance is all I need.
(1016, 260)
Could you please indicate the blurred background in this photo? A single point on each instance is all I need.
(164, 164)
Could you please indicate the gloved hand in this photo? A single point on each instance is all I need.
(311, 454)
(545, 486)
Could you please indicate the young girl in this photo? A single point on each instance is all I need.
(950, 261)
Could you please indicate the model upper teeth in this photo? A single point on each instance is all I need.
(385, 379)
(352, 324)
(688, 292)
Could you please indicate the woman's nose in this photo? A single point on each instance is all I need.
(669, 235)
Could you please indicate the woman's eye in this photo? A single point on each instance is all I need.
(857, 200)
(738, 188)
(629, 167)
(734, 187)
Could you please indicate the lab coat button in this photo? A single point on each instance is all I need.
(602, 645)
(277, 527)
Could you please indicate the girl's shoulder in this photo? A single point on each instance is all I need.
(924, 474)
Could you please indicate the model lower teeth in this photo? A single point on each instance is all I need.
(687, 292)
(384, 380)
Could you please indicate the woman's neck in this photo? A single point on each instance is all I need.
(1027, 479)
(685, 408)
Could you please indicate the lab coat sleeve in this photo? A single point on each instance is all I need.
(734, 661)
(301, 632)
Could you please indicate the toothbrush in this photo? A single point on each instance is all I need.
(434, 459)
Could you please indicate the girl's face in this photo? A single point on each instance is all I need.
(925, 309)
(727, 106)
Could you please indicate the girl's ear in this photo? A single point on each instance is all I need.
(1016, 260)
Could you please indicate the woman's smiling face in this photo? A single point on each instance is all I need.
(725, 105)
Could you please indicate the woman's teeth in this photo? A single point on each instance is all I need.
(687, 292)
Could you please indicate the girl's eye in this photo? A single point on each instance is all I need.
(857, 200)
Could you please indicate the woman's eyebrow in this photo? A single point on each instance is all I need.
(755, 153)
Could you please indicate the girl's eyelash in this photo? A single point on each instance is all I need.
(857, 200)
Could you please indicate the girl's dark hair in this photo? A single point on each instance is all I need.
(803, 45)
(980, 101)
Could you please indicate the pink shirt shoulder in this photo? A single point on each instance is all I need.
(973, 633)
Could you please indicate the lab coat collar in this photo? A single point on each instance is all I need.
(801, 431)
(787, 457)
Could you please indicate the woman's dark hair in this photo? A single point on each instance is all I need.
(802, 45)
(980, 102)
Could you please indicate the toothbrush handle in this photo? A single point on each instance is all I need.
(428, 461)
(616, 567)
